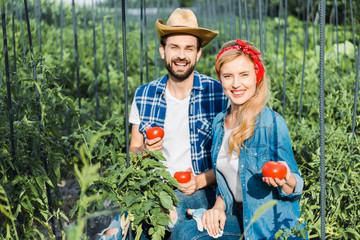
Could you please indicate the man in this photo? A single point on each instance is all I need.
(184, 103)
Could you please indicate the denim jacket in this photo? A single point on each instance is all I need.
(270, 142)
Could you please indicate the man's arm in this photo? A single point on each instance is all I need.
(197, 182)
(137, 143)
(137, 140)
(205, 179)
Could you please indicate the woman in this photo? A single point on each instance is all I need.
(246, 136)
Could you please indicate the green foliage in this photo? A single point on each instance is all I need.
(40, 151)
(5, 209)
(88, 174)
(342, 147)
(342, 176)
(89, 142)
(144, 189)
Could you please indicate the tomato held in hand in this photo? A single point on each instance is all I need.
(274, 170)
(182, 177)
(154, 132)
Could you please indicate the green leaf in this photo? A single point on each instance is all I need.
(257, 214)
(262, 209)
(151, 231)
(352, 233)
(74, 209)
(170, 191)
(4, 208)
(64, 216)
(127, 172)
(130, 199)
(28, 206)
(165, 200)
(144, 181)
(278, 234)
(148, 205)
(151, 163)
(163, 219)
(158, 155)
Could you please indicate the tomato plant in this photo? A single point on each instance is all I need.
(182, 177)
(274, 170)
(154, 132)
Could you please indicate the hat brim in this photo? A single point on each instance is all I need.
(204, 34)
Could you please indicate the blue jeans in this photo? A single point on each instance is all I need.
(232, 231)
(203, 198)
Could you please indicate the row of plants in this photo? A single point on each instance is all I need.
(52, 129)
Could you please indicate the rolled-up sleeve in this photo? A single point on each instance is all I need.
(297, 190)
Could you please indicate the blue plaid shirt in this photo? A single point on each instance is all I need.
(207, 99)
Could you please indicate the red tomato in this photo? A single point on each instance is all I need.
(154, 132)
(182, 177)
(274, 170)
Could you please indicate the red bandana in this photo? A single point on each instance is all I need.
(259, 68)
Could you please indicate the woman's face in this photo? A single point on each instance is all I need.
(238, 79)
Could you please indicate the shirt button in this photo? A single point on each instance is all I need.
(244, 185)
(245, 220)
(242, 166)
(255, 154)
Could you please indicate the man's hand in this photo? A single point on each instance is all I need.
(191, 186)
(137, 144)
(154, 144)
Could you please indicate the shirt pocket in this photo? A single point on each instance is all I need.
(203, 127)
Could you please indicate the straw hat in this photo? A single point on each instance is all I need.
(183, 21)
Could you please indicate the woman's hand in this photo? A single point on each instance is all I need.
(214, 219)
(287, 184)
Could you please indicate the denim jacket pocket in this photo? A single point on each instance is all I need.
(258, 156)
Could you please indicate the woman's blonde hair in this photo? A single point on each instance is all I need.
(246, 113)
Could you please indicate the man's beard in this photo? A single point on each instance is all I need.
(182, 75)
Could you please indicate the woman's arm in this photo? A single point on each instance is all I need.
(281, 148)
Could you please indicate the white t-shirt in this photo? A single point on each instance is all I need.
(228, 165)
(176, 146)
